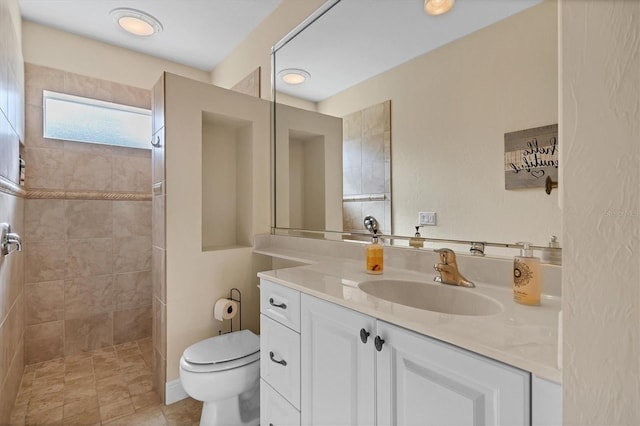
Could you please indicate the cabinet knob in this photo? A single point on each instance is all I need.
(282, 362)
(378, 342)
(277, 305)
(364, 335)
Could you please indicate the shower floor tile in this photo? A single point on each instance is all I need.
(110, 386)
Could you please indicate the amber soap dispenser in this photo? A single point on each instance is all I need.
(527, 284)
(375, 256)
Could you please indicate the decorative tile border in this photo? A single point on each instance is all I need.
(11, 188)
(87, 195)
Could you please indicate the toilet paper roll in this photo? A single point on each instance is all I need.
(225, 309)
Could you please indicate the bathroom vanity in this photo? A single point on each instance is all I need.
(333, 354)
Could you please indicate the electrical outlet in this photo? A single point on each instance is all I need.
(427, 218)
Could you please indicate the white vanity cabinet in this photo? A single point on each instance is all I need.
(357, 370)
(279, 355)
(338, 364)
(422, 381)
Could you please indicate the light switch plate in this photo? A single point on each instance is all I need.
(427, 218)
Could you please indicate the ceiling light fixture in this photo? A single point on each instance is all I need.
(438, 7)
(136, 21)
(294, 76)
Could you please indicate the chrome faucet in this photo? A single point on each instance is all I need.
(448, 269)
(8, 238)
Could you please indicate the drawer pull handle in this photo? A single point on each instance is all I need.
(282, 362)
(277, 305)
(378, 342)
(156, 144)
(364, 335)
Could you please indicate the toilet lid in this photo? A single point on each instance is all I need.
(223, 348)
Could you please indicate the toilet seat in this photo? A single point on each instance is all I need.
(224, 352)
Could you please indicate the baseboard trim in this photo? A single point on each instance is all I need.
(174, 392)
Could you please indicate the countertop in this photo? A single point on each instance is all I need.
(522, 336)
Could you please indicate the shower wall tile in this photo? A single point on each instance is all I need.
(131, 174)
(158, 258)
(367, 164)
(129, 95)
(158, 233)
(88, 218)
(44, 220)
(373, 149)
(38, 78)
(131, 218)
(89, 257)
(84, 260)
(34, 137)
(45, 168)
(44, 302)
(133, 290)
(44, 341)
(80, 85)
(159, 331)
(88, 333)
(131, 254)
(44, 261)
(87, 296)
(131, 324)
(85, 171)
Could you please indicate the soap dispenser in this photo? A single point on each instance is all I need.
(527, 285)
(375, 256)
(417, 241)
(552, 255)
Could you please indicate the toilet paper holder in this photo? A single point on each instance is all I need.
(239, 302)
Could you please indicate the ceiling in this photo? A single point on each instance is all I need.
(353, 41)
(197, 33)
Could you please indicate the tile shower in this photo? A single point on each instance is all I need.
(87, 241)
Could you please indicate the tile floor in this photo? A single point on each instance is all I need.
(111, 386)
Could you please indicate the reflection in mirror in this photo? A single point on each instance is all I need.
(457, 83)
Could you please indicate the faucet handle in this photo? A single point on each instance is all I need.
(447, 255)
(7, 238)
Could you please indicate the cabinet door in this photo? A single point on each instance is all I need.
(338, 369)
(275, 410)
(280, 359)
(422, 381)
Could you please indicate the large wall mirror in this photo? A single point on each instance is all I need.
(401, 112)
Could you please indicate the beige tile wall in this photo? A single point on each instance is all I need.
(87, 261)
(11, 209)
(366, 156)
(12, 307)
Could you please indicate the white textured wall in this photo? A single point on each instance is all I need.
(53, 48)
(600, 134)
(197, 278)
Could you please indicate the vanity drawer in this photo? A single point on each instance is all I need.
(280, 359)
(275, 410)
(281, 304)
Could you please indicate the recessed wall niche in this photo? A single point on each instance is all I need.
(306, 180)
(226, 182)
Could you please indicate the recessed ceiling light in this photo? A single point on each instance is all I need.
(438, 7)
(136, 21)
(294, 76)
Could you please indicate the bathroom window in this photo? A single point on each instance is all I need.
(78, 119)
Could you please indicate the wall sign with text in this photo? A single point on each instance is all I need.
(530, 156)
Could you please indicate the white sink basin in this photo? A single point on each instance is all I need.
(432, 297)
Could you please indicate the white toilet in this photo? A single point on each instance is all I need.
(224, 373)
